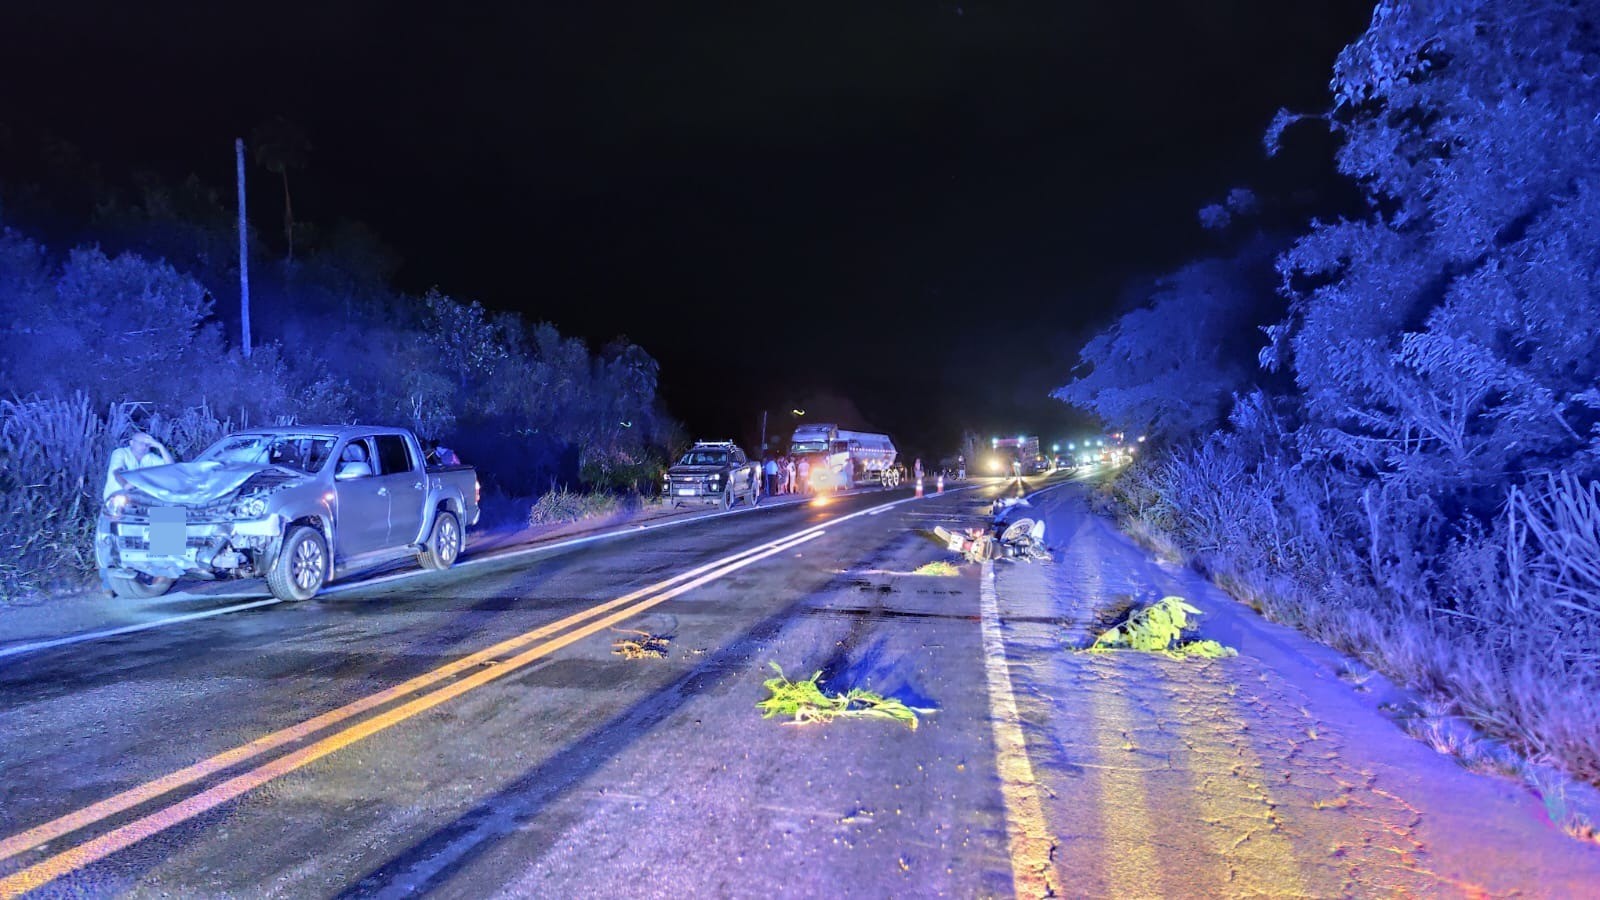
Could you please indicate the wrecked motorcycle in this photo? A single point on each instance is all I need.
(1014, 533)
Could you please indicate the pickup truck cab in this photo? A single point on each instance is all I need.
(298, 506)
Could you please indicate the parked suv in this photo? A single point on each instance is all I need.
(715, 472)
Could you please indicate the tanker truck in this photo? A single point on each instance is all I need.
(841, 460)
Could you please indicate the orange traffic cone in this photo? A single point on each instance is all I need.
(940, 483)
(919, 485)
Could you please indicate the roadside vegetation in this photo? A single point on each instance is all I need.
(119, 309)
(1410, 473)
(562, 505)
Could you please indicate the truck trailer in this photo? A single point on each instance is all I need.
(842, 459)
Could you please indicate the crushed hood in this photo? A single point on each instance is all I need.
(199, 483)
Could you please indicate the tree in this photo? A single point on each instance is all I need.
(281, 146)
(1170, 366)
(1443, 344)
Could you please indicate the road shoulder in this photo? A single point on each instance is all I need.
(1272, 772)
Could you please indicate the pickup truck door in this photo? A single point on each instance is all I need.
(363, 517)
(402, 476)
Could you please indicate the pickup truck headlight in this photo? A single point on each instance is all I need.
(116, 504)
(249, 508)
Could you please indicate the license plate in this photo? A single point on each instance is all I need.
(167, 531)
(686, 492)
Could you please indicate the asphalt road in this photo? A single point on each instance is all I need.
(471, 732)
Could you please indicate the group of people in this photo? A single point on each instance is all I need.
(786, 475)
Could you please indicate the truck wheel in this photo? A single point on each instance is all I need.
(139, 587)
(444, 544)
(301, 568)
(727, 498)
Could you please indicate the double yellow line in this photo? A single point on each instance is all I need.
(544, 640)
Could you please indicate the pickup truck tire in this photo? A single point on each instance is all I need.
(301, 568)
(444, 543)
(139, 587)
(727, 498)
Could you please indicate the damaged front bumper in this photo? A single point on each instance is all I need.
(211, 549)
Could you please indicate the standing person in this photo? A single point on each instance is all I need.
(789, 471)
(803, 470)
(142, 452)
(771, 468)
(961, 467)
(916, 469)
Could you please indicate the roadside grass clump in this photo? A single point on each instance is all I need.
(645, 646)
(803, 701)
(1159, 628)
(939, 567)
(562, 505)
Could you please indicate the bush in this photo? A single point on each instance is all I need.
(561, 505)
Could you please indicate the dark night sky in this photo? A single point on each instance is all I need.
(778, 201)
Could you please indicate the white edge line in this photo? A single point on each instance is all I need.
(20, 649)
(1029, 843)
(129, 629)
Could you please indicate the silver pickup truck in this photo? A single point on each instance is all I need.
(298, 506)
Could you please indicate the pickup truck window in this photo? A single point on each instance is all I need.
(393, 454)
(704, 458)
(306, 453)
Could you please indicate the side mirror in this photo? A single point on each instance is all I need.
(351, 470)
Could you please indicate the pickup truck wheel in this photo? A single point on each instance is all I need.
(139, 587)
(727, 498)
(301, 568)
(444, 544)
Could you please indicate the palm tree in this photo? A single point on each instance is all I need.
(280, 145)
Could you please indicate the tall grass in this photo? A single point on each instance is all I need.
(1502, 627)
(53, 458)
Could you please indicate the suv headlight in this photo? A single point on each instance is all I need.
(116, 504)
(250, 508)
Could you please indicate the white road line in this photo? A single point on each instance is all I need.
(20, 649)
(35, 646)
(1028, 837)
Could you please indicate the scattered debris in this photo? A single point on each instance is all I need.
(1159, 629)
(645, 646)
(937, 567)
(805, 702)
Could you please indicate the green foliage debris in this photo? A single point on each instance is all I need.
(803, 701)
(1159, 628)
(937, 567)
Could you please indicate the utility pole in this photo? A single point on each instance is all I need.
(244, 251)
(763, 433)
